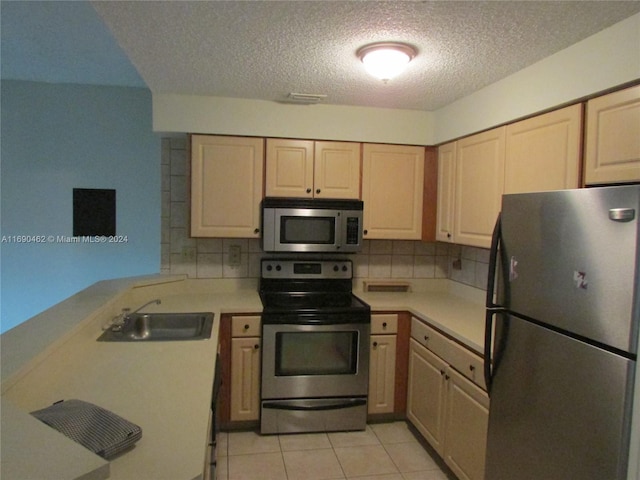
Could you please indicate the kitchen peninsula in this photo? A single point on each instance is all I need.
(165, 387)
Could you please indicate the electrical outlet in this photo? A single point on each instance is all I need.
(235, 253)
(189, 253)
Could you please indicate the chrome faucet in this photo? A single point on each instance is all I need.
(117, 323)
(156, 301)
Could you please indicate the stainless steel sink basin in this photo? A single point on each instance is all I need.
(157, 327)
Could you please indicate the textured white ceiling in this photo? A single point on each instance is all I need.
(267, 49)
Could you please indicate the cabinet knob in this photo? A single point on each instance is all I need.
(447, 377)
(448, 235)
(442, 372)
(472, 368)
(246, 327)
(426, 338)
(256, 346)
(318, 190)
(375, 344)
(256, 230)
(308, 190)
(384, 325)
(365, 232)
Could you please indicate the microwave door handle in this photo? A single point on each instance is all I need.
(338, 233)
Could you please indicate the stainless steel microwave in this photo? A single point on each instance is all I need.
(305, 225)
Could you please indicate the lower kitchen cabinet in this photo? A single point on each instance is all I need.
(240, 353)
(245, 379)
(382, 364)
(466, 422)
(245, 368)
(427, 394)
(450, 411)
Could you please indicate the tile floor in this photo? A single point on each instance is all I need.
(385, 451)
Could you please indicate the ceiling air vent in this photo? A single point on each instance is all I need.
(305, 98)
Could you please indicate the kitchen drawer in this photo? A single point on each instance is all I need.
(430, 338)
(467, 363)
(463, 360)
(384, 323)
(245, 326)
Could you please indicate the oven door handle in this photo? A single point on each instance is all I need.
(314, 405)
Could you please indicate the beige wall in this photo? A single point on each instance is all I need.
(237, 116)
(604, 60)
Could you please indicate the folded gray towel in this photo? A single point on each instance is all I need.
(101, 431)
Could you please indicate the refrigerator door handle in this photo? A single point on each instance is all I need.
(488, 334)
(492, 307)
(496, 238)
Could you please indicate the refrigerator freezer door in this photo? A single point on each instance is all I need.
(572, 261)
(559, 407)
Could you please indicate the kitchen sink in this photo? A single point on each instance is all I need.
(158, 327)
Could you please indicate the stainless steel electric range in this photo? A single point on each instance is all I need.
(315, 347)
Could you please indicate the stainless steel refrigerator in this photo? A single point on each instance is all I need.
(565, 316)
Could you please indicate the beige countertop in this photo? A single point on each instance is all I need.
(457, 310)
(165, 387)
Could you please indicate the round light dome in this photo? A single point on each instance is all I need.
(386, 60)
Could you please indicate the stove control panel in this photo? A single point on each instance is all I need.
(305, 269)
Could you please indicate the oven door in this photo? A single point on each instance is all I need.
(315, 360)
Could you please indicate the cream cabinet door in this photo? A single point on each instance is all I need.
(543, 152)
(337, 170)
(226, 186)
(304, 168)
(478, 186)
(382, 373)
(289, 168)
(245, 378)
(392, 187)
(446, 182)
(612, 152)
(426, 398)
(465, 427)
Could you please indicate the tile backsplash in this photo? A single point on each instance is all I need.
(211, 257)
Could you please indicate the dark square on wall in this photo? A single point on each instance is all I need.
(94, 212)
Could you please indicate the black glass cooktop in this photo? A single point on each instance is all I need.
(310, 301)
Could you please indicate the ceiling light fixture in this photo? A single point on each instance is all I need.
(386, 60)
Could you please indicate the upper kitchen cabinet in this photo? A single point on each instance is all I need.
(304, 168)
(612, 153)
(446, 186)
(392, 191)
(543, 152)
(226, 186)
(478, 186)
